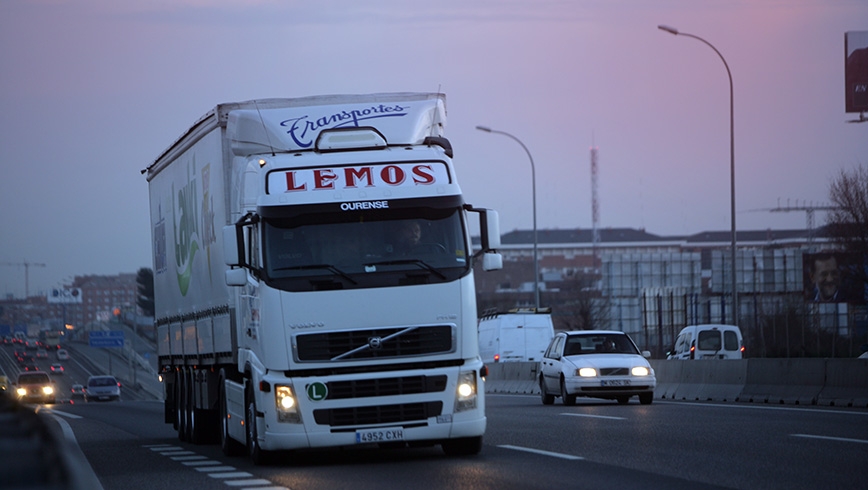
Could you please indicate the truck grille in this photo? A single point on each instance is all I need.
(406, 385)
(388, 414)
(376, 343)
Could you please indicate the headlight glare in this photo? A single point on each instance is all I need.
(47, 390)
(587, 372)
(287, 408)
(640, 371)
(465, 392)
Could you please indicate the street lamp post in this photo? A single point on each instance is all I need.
(533, 184)
(675, 31)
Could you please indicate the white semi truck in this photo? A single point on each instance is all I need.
(313, 274)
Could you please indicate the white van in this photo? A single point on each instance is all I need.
(519, 335)
(712, 341)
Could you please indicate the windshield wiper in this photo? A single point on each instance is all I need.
(334, 270)
(420, 263)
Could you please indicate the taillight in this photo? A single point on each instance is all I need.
(497, 358)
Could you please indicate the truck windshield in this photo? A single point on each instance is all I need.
(360, 249)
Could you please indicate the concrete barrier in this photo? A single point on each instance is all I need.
(830, 382)
(846, 383)
(711, 380)
(784, 381)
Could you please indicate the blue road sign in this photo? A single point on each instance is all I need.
(111, 338)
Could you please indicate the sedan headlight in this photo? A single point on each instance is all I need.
(586, 372)
(640, 371)
(287, 406)
(47, 390)
(21, 391)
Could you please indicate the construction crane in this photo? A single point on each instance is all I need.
(27, 266)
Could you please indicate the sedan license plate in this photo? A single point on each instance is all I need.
(615, 382)
(379, 435)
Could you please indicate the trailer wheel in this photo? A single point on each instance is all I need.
(197, 421)
(180, 405)
(228, 445)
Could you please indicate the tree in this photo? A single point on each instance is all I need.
(145, 289)
(847, 224)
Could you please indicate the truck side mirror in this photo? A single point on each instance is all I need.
(236, 277)
(231, 252)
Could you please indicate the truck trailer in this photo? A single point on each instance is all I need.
(313, 277)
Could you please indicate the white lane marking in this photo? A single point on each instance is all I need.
(217, 468)
(828, 438)
(209, 462)
(188, 458)
(237, 474)
(176, 453)
(241, 483)
(593, 416)
(539, 451)
(762, 407)
(78, 454)
(62, 414)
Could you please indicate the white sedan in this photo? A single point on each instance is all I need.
(595, 363)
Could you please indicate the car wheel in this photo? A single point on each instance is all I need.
(623, 400)
(546, 398)
(646, 398)
(569, 400)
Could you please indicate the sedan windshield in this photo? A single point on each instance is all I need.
(371, 248)
(599, 343)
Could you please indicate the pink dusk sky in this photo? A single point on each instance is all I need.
(92, 91)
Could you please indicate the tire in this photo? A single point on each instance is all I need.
(228, 445)
(467, 446)
(569, 400)
(181, 405)
(623, 400)
(257, 455)
(198, 421)
(646, 398)
(546, 398)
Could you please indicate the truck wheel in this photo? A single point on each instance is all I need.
(466, 446)
(569, 400)
(197, 423)
(228, 445)
(546, 398)
(256, 453)
(180, 405)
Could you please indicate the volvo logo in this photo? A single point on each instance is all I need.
(375, 343)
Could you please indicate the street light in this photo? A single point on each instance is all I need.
(533, 183)
(675, 31)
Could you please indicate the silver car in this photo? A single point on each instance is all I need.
(595, 363)
(102, 388)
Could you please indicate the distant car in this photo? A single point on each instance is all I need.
(63, 355)
(42, 354)
(28, 366)
(57, 368)
(595, 363)
(76, 391)
(35, 387)
(102, 388)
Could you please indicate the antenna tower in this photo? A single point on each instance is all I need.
(595, 203)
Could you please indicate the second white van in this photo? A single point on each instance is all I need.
(710, 341)
(519, 335)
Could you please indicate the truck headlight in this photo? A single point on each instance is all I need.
(287, 405)
(465, 392)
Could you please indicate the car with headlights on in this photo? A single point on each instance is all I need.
(595, 363)
(35, 387)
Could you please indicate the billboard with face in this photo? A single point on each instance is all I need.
(856, 71)
(832, 277)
